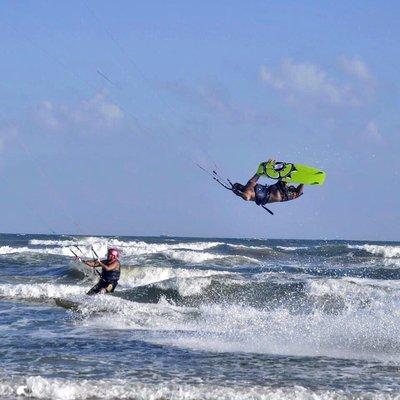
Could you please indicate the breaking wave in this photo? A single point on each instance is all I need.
(381, 250)
(38, 387)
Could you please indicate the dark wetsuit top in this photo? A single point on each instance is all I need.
(110, 276)
(108, 280)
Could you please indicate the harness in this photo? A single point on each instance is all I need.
(262, 193)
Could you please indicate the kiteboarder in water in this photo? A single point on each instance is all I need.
(110, 273)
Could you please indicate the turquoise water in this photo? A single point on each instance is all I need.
(200, 319)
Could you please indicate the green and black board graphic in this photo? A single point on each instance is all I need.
(292, 173)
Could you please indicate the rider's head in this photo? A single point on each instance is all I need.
(112, 254)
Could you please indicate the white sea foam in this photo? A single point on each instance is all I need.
(383, 250)
(48, 242)
(359, 330)
(13, 250)
(348, 285)
(292, 248)
(196, 257)
(130, 247)
(38, 387)
(186, 281)
(187, 252)
(157, 317)
(191, 253)
(185, 286)
(39, 290)
(191, 256)
(356, 294)
(248, 247)
(367, 329)
(61, 251)
(136, 251)
(364, 334)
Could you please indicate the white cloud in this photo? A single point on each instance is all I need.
(7, 133)
(267, 77)
(97, 112)
(47, 115)
(356, 67)
(373, 132)
(301, 82)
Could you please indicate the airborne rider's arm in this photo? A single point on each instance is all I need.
(246, 192)
(252, 181)
(248, 189)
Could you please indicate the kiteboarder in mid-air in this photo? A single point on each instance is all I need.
(264, 194)
(285, 173)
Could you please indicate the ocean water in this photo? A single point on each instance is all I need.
(201, 319)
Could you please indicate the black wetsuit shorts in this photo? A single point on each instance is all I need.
(108, 286)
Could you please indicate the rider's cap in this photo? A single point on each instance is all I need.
(113, 252)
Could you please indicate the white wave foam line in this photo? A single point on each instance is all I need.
(61, 251)
(186, 281)
(193, 257)
(38, 387)
(62, 246)
(192, 252)
(294, 248)
(4, 250)
(197, 257)
(39, 291)
(242, 246)
(280, 277)
(391, 263)
(348, 285)
(386, 251)
(356, 293)
(185, 286)
(85, 241)
(139, 246)
(186, 256)
(48, 242)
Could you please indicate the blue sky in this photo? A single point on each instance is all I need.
(106, 106)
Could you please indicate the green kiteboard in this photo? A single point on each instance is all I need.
(291, 173)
